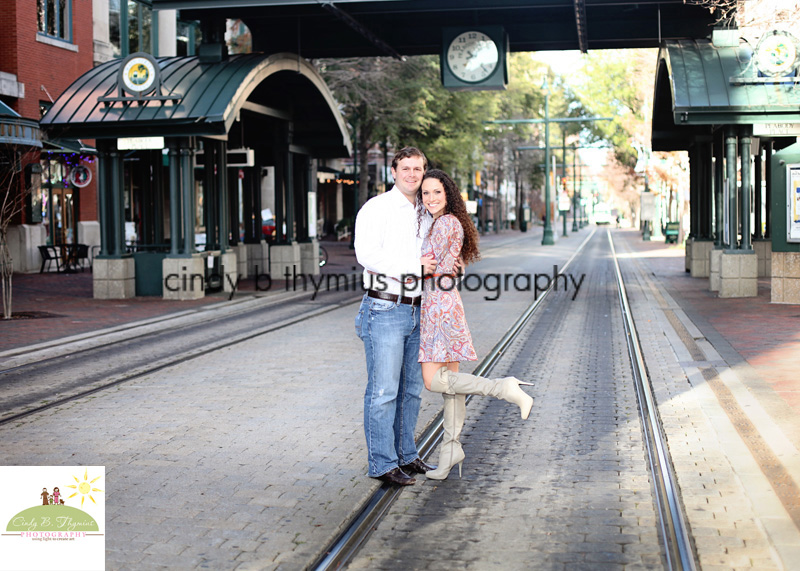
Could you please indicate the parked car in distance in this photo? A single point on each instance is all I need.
(267, 225)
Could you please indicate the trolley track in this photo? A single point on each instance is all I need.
(33, 387)
(671, 521)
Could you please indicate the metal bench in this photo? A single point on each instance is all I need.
(671, 232)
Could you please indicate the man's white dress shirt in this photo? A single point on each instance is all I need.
(388, 244)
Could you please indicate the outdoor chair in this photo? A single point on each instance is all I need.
(50, 254)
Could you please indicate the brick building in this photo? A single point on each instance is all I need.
(44, 46)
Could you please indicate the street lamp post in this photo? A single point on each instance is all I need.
(574, 191)
(547, 236)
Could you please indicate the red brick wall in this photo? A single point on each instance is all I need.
(8, 40)
(53, 67)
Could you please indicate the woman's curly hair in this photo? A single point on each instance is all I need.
(455, 205)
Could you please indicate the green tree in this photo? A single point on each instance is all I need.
(379, 98)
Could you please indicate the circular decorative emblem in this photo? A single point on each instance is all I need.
(472, 56)
(776, 53)
(139, 74)
(80, 176)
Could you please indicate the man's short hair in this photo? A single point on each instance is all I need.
(407, 152)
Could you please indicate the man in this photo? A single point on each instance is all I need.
(388, 245)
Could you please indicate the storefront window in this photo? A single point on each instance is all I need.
(57, 204)
(130, 26)
(55, 18)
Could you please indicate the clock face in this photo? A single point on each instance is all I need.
(776, 54)
(139, 75)
(472, 57)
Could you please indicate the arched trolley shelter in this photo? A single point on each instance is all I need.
(731, 104)
(214, 140)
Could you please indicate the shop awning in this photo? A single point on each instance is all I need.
(70, 146)
(699, 85)
(16, 131)
(208, 98)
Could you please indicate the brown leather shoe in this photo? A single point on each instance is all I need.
(417, 467)
(397, 477)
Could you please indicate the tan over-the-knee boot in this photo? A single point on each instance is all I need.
(507, 389)
(450, 452)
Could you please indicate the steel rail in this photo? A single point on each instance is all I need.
(359, 527)
(672, 520)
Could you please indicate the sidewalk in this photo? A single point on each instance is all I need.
(765, 334)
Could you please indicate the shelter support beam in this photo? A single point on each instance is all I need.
(744, 153)
(719, 181)
(223, 214)
(768, 187)
(694, 194)
(210, 204)
(117, 207)
(102, 202)
(758, 197)
(187, 193)
(706, 189)
(730, 180)
(174, 198)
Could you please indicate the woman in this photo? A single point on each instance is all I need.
(444, 336)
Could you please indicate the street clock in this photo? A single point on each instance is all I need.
(139, 74)
(474, 58)
(776, 54)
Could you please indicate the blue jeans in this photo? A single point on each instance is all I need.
(390, 332)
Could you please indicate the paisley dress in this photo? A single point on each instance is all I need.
(444, 335)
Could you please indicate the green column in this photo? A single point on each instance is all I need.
(730, 180)
(102, 205)
(694, 195)
(706, 189)
(574, 191)
(719, 181)
(187, 179)
(210, 217)
(547, 235)
(757, 195)
(768, 187)
(223, 213)
(744, 153)
(117, 232)
(174, 199)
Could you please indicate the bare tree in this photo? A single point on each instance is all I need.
(13, 192)
(758, 15)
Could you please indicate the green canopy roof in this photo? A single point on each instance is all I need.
(16, 131)
(208, 99)
(699, 85)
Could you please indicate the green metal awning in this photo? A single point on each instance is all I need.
(699, 85)
(16, 131)
(208, 98)
(67, 146)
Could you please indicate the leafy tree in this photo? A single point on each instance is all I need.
(380, 97)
